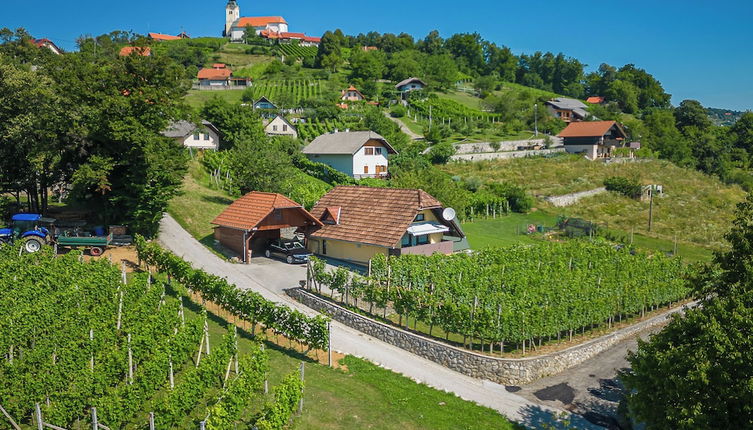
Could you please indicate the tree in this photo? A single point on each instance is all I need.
(663, 137)
(692, 113)
(432, 44)
(468, 51)
(260, 165)
(741, 133)
(441, 152)
(485, 84)
(404, 64)
(329, 53)
(500, 60)
(441, 71)
(696, 373)
(367, 65)
(236, 123)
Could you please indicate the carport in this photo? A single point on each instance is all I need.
(249, 222)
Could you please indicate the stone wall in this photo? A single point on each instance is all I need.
(504, 155)
(506, 371)
(571, 199)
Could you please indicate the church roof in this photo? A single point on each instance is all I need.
(258, 21)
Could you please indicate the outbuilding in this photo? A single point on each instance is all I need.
(250, 222)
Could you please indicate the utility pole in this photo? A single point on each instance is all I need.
(536, 119)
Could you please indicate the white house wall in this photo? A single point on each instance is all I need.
(360, 159)
(280, 131)
(589, 150)
(201, 143)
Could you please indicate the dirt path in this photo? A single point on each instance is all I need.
(266, 282)
(404, 128)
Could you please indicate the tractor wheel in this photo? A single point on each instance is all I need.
(96, 251)
(267, 254)
(32, 245)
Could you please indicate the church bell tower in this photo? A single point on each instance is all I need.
(232, 13)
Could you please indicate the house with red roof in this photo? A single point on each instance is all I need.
(595, 100)
(219, 75)
(249, 223)
(162, 37)
(47, 43)
(144, 51)
(351, 95)
(594, 139)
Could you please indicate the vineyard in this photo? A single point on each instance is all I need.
(85, 344)
(446, 109)
(510, 297)
(315, 127)
(288, 91)
(297, 51)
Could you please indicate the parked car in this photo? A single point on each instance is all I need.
(291, 250)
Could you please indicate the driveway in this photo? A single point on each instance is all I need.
(269, 277)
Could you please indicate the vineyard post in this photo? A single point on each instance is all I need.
(95, 422)
(202, 425)
(120, 307)
(300, 403)
(182, 314)
(38, 416)
(130, 361)
(206, 332)
(329, 344)
(91, 341)
(151, 420)
(171, 375)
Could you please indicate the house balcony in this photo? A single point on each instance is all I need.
(444, 247)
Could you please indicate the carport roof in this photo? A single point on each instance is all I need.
(250, 210)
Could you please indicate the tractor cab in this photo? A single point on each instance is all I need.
(28, 227)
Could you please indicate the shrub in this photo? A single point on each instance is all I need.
(516, 196)
(625, 186)
(398, 111)
(441, 153)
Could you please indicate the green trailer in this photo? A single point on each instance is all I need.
(95, 244)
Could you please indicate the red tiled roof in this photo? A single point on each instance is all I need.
(140, 50)
(218, 66)
(158, 36)
(588, 129)
(248, 211)
(595, 100)
(377, 216)
(214, 74)
(259, 21)
(312, 39)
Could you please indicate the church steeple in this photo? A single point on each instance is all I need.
(232, 14)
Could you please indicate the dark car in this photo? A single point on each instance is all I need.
(291, 250)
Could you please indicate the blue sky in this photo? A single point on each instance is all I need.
(697, 49)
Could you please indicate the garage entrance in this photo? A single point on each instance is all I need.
(249, 223)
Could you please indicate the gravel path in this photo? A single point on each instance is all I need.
(269, 278)
(404, 128)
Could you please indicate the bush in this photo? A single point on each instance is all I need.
(625, 186)
(398, 111)
(516, 196)
(441, 153)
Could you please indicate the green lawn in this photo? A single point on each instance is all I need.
(196, 98)
(505, 230)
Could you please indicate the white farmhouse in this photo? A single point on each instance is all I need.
(360, 154)
(191, 135)
(279, 126)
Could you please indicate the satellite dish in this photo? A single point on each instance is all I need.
(448, 214)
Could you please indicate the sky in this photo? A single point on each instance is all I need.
(698, 49)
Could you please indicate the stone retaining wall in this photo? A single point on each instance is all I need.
(571, 199)
(504, 155)
(506, 371)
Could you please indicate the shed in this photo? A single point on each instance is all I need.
(249, 222)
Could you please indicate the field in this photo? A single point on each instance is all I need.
(197, 98)
(296, 51)
(697, 209)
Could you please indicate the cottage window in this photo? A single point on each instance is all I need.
(206, 136)
(196, 136)
(324, 247)
(422, 240)
(405, 241)
(369, 151)
(366, 169)
(274, 128)
(377, 151)
(284, 127)
(419, 217)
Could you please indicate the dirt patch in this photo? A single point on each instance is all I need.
(117, 255)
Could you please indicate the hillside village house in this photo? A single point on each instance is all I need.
(144, 51)
(595, 100)
(594, 139)
(359, 223)
(192, 136)
(352, 95)
(163, 37)
(47, 43)
(279, 126)
(360, 154)
(300, 38)
(410, 84)
(220, 76)
(264, 103)
(566, 109)
(250, 222)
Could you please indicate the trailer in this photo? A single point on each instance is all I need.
(95, 244)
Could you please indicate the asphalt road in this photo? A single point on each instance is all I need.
(270, 277)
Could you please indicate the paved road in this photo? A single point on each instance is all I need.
(269, 278)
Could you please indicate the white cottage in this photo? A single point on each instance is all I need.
(360, 154)
(279, 126)
(191, 135)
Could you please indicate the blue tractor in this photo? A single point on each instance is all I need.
(28, 228)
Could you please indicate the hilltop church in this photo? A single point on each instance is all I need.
(235, 26)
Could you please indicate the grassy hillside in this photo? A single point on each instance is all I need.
(696, 208)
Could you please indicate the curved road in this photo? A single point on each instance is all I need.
(269, 278)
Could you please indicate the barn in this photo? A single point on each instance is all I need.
(249, 222)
